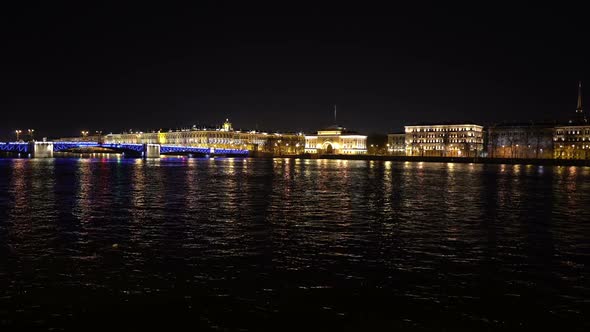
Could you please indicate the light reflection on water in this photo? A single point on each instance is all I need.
(252, 243)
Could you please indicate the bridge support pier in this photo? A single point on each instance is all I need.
(151, 150)
(41, 149)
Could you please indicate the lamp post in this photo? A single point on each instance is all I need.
(31, 132)
(18, 131)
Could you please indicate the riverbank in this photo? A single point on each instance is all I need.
(514, 161)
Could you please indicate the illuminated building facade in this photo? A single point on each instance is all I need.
(336, 140)
(520, 141)
(572, 142)
(444, 140)
(223, 138)
(396, 144)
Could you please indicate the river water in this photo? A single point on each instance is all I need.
(285, 244)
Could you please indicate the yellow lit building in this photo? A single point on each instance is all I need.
(572, 142)
(224, 137)
(336, 140)
(447, 140)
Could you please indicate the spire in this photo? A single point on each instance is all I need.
(579, 108)
(335, 122)
(580, 116)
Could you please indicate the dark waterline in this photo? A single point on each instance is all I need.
(280, 244)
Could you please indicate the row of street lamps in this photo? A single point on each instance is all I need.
(30, 131)
(85, 133)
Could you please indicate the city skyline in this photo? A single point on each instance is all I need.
(384, 69)
(576, 117)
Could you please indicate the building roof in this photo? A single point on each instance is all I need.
(343, 131)
(467, 123)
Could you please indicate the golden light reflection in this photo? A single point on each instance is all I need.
(560, 170)
(516, 169)
(229, 187)
(83, 205)
(138, 184)
(572, 171)
(388, 203)
(19, 188)
(231, 169)
(191, 197)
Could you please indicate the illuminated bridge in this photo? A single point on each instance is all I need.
(46, 149)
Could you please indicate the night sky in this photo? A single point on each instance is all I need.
(67, 68)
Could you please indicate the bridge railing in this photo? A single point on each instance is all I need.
(14, 147)
(183, 149)
(123, 146)
(230, 151)
(61, 146)
(200, 150)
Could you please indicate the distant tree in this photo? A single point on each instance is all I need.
(493, 139)
(535, 139)
(510, 139)
(377, 143)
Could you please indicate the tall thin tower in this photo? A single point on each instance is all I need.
(335, 121)
(580, 116)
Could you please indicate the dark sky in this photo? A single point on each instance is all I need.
(66, 68)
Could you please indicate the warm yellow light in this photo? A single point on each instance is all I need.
(329, 132)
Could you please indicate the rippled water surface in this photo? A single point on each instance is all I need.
(253, 244)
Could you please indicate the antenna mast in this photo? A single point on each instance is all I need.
(335, 121)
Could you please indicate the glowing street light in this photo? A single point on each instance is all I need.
(84, 133)
(18, 131)
(31, 132)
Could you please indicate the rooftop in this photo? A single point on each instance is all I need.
(336, 127)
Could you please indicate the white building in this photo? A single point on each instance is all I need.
(446, 140)
(336, 140)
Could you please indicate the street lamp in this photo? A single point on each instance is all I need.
(31, 131)
(84, 133)
(18, 131)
